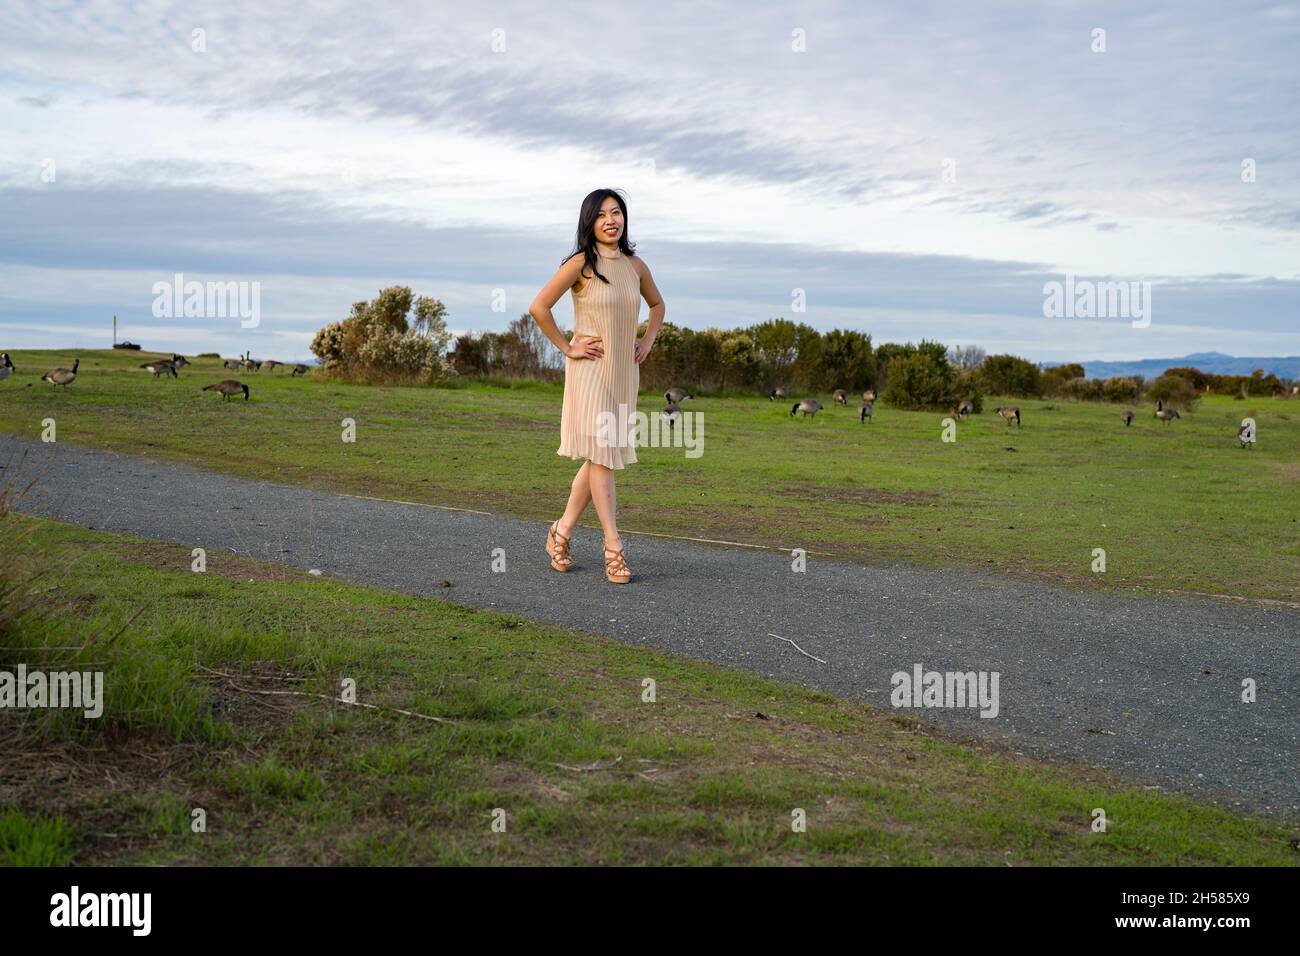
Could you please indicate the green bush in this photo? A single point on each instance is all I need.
(1011, 376)
(1174, 391)
(921, 381)
(394, 337)
(1122, 388)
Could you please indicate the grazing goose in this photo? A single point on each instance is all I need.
(6, 366)
(234, 364)
(841, 396)
(864, 412)
(1246, 434)
(1010, 413)
(272, 364)
(964, 409)
(1127, 418)
(675, 396)
(180, 361)
(226, 388)
(300, 370)
(869, 395)
(808, 406)
(1166, 415)
(161, 367)
(778, 392)
(671, 413)
(62, 376)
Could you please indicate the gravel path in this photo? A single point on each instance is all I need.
(1150, 687)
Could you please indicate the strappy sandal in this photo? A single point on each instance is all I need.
(557, 546)
(616, 569)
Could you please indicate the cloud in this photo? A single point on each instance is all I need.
(333, 154)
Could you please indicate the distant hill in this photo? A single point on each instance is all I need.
(1218, 363)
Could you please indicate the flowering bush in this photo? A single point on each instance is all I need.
(395, 337)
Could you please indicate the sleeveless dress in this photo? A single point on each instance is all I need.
(598, 418)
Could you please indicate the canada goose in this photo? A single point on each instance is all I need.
(841, 396)
(808, 406)
(62, 376)
(161, 367)
(869, 395)
(675, 396)
(1246, 434)
(234, 364)
(300, 370)
(1128, 418)
(963, 409)
(180, 361)
(226, 388)
(1166, 415)
(6, 366)
(778, 392)
(864, 412)
(272, 364)
(671, 413)
(1010, 413)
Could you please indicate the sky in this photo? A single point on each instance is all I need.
(911, 170)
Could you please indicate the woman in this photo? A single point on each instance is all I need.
(601, 369)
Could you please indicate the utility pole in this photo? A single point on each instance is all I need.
(114, 330)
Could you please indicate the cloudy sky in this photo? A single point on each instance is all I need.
(918, 169)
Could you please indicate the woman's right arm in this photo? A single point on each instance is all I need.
(582, 346)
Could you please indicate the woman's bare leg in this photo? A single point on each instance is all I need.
(579, 495)
(601, 480)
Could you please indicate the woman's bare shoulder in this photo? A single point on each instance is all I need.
(576, 266)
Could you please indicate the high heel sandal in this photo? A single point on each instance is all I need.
(557, 546)
(616, 569)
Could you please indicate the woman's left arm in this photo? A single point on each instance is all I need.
(649, 292)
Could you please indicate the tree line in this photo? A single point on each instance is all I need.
(397, 337)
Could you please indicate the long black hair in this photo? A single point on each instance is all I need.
(585, 239)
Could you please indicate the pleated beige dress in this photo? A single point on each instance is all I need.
(608, 384)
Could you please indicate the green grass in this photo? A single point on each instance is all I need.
(546, 724)
(1180, 507)
(34, 840)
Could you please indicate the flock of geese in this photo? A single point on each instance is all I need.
(810, 406)
(226, 388)
(672, 411)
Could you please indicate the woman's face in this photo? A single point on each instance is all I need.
(609, 223)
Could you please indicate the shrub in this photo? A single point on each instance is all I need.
(1083, 389)
(393, 338)
(1174, 391)
(921, 381)
(1057, 379)
(741, 360)
(1011, 376)
(970, 390)
(1122, 388)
